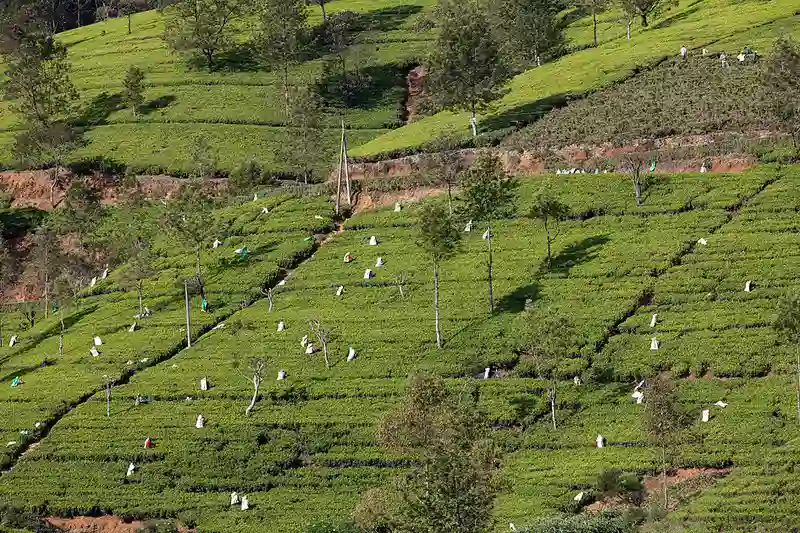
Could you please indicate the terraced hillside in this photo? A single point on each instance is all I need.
(307, 451)
(239, 108)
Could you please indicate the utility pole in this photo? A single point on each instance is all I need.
(188, 318)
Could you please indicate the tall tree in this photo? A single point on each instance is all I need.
(133, 88)
(489, 194)
(664, 417)
(642, 9)
(444, 167)
(466, 67)
(46, 258)
(532, 30)
(306, 149)
(187, 218)
(81, 211)
(283, 34)
(8, 270)
(788, 324)
(452, 484)
(781, 81)
(38, 80)
(203, 27)
(551, 342)
(47, 146)
(439, 238)
(129, 7)
(549, 209)
(595, 7)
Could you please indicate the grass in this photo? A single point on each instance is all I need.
(308, 449)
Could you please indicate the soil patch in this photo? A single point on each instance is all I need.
(679, 475)
(368, 200)
(415, 83)
(92, 524)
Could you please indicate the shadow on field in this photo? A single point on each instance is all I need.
(241, 58)
(386, 19)
(525, 114)
(98, 110)
(582, 251)
(515, 302)
(21, 372)
(669, 21)
(74, 318)
(365, 89)
(157, 103)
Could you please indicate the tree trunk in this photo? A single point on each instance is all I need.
(46, 294)
(797, 353)
(637, 189)
(256, 385)
(108, 399)
(474, 122)
(629, 28)
(269, 298)
(436, 303)
(450, 196)
(324, 12)
(129, 23)
(644, 20)
(594, 25)
(489, 271)
(325, 354)
(61, 333)
(139, 293)
(553, 405)
(286, 89)
(664, 473)
(547, 232)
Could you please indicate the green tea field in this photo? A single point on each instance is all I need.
(308, 450)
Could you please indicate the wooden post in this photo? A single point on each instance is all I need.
(339, 175)
(346, 168)
(188, 317)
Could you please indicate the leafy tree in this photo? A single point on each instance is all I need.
(595, 7)
(133, 88)
(81, 212)
(781, 81)
(551, 342)
(531, 29)
(247, 175)
(788, 324)
(642, 9)
(8, 270)
(187, 218)
(321, 4)
(663, 419)
(38, 80)
(306, 148)
(453, 483)
(466, 67)
(445, 167)
(284, 29)
(204, 159)
(548, 208)
(47, 146)
(440, 239)
(203, 27)
(46, 259)
(489, 194)
(129, 7)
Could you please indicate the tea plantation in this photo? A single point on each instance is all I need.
(308, 450)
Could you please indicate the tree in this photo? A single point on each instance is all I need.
(306, 148)
(548, 208)
(72, 276)
(38, 81)
(284, 29)
(246, 176)
(663, 419)
(81, 212)
(204, 159)
(8, 270)
(466, 65)
(321, 4)
(489, 194)
(202, 27)
(446, 167)
(46, 259)
(787, 322)
(47, 146)
(133, 88)
(635, 164)
(781, 81)
(551, 342)
(187, 218)
(323, 336)
(129, 7)
(642, 9)
(440, 239)
(256, 367)
(595, 7)
(531, 30)
(452, 484)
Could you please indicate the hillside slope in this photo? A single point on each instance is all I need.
(308, 450)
